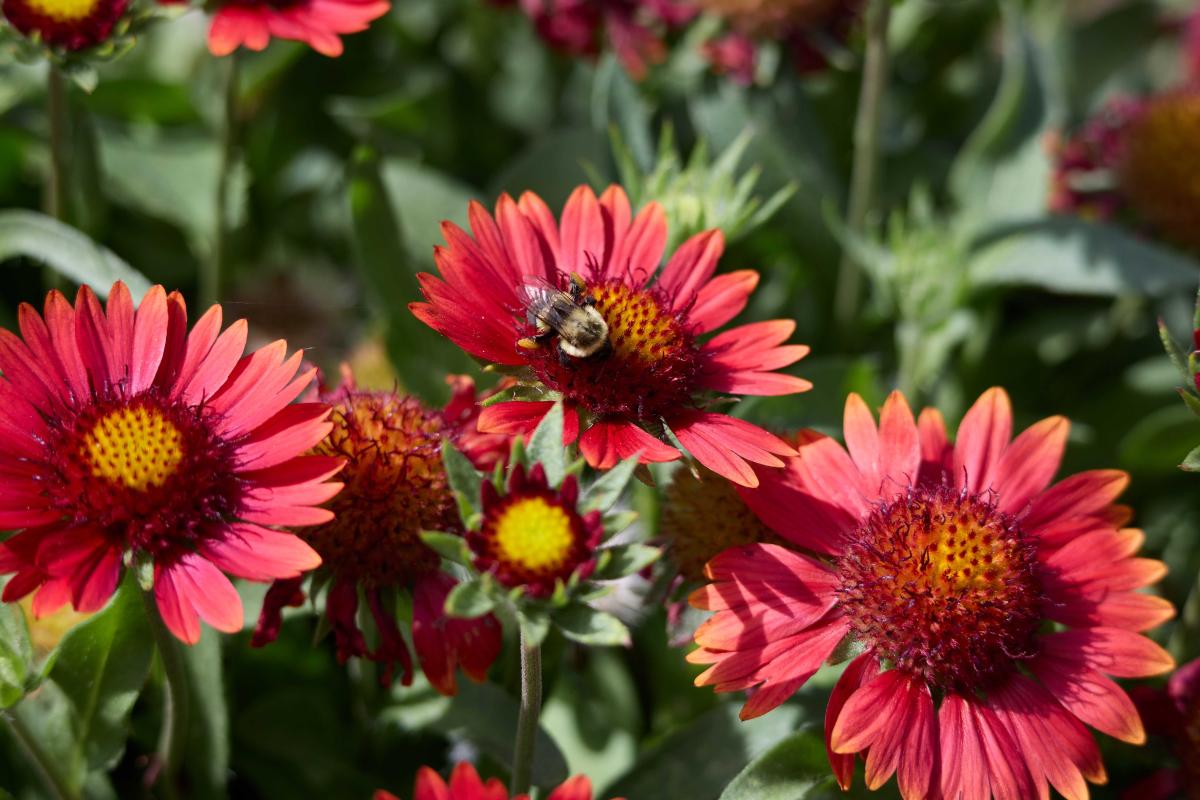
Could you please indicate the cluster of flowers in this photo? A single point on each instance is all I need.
(1129, 159)
(983, 608)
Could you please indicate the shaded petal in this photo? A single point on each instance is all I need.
(1029, 464)
(608, 442)
(690, 268)
(860, 672)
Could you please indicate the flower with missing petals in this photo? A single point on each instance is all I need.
(396, 487)
(659, 366)
(989, 608)
(124, 436)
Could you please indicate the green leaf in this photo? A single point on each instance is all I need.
(586, 625)
(464, 480)
(16, 655)
(450, 546)
(625, 559)
(534, 623)
(1191, 462)
(546, 445)
(101, 667)
(617, 521)
(1072, 256)
(1160, 440)
(207, 762)
(609, 487)
(725, 743)
(384, 265)
(486, 716)
(1174, 352)
(794, 769)
(66, 251)
(470, 599)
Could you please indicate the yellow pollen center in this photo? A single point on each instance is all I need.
(534, 534)
(64, 10)
(134, 447)
(638, 327)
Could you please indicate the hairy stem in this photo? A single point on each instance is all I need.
(47, 768)
(527, 722)
(864, 179)
(173, 738)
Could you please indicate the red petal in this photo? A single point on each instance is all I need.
(1029, 463)
(860, 672)
(1116, 652)
(691, 267)
(722, 299)
(149, 340)
(582, 231)
(982, 436)
(607, 443)
(1082, 494)
(260, 554)
(209, 592)
(640, 250)
(430, 786)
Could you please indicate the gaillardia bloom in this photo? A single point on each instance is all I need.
(1085, 177)
(465, 784)
(989, 607)
(634, 28)
(122, 435)
(318, 23)
(1160, 166)
(653, 369)
(533, 536)
(396, 487)
(70, 24)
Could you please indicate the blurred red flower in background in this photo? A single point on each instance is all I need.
(465, 784)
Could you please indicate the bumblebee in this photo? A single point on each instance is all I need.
(570, 315)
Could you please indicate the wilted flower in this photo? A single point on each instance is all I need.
(652, 370)
(396, 487)
(943, 565)
(1173, 713)
(805, 27)
(1160, 165)
(318, 23)
(123, 436)
(1085, 179)
(465, 784)
(633, 28)
(70, 24)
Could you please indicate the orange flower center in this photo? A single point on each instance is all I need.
(650, 368)
(64, 10)
(701, 517)
(136, 447)
(534, 535)
(1160, 171)
(395, 487)
(942, 584)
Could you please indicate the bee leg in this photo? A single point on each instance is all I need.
(537, 341)
(565, 360)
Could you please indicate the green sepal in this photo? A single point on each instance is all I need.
(546, 447)
(586, 625)
(1174, 351)
(517, 453)
(464, 481)
(624, 559)
(534, 623)
(576, 467)
(609, 487)
(470, 599)
(1191, 400)
(1191, 462)
(450, 546)
(618, 521)
(142, 565)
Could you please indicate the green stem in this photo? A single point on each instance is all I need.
(527, 722)
(46, 767)
(173, 737)
(864, 179)
(215, 268)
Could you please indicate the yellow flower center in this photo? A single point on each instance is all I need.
(638, 326)
(1160, 172)
(942, 584)
(136, 447)
(534, 535)
(64, 10)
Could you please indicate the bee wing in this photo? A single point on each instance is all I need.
(536, 290)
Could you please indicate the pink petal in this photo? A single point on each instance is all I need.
(607, 443)
(722, 299)
(1029, 464)
(982, 436)
(120, 330)
(691, 267)
(582, 231)
(213, 371)
(1084, 493)
(260, 554)
(964, 765)
(177, 614)
(1116, 652)
(199, 583)
(149, 340)
(640, 250)
(860, 672)
(724, 444)
(937, 454)
(1090, 696)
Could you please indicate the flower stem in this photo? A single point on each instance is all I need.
(864, 179)
(527, 722)
(46, 767)
(173, 738)
(214, 269)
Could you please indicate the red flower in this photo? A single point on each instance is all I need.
(804, 27)
(396, 487)
(633, 27)
(1085, 180)
(69, 24)
(465, 784)
(123, 434)
(945, 565)
(317, 23)
(655, 370)
(533, 536)
(1175, 715)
